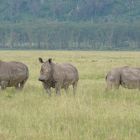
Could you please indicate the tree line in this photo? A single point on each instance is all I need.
(70, 35)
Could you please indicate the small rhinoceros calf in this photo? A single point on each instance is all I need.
(13, 74)
(127, 77)
(58, 76)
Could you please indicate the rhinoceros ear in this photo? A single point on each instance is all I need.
(40, 60)
(50, 60)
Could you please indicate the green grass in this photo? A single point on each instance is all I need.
(91, 115)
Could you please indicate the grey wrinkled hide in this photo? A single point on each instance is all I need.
(58, 76)
(13, 74)
(127, 77)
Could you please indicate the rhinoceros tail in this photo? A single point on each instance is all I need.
(121, 80)
(27, 72)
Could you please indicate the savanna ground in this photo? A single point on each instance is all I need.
(91, 115)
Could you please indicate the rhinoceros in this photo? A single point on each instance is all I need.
(53, 75)
(127, 77)
(13, 74)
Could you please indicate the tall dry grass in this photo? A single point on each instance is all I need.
(91, 115)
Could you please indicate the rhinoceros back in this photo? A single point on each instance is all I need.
(67, 73)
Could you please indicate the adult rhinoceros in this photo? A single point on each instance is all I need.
(128, 77)
(58, 76)
(13, 74)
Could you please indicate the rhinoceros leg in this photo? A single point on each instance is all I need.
(66, 89)
(57, 88)
(48, 91)
(116, 85)
(17, 86)
(47, 88)
(75, 87)
(111, 85)
(20, 85)
(3, 84)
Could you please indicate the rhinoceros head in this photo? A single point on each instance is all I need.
(46, 70)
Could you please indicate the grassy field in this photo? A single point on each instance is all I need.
(91, 115)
